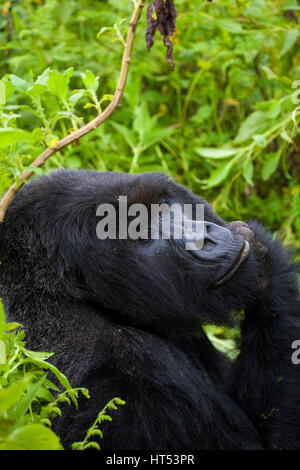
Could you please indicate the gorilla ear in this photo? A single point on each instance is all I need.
(81, 254)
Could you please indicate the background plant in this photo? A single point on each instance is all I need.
(30, 400)
(231, 90)
(94, 430)
(27, 403)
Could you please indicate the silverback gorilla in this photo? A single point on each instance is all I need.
(124, 317)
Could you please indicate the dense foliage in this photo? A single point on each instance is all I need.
(224, 123)
(232, 90)
(30, 400)
(27, 403)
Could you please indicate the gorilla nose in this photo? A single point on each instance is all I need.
(208, 240)
(215, 235)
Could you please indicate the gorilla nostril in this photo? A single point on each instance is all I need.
(209, 242)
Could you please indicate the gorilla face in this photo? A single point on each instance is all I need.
(144, 281)
(219, 248)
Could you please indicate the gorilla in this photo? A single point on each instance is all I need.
(125, 317)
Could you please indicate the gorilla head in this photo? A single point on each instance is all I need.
(50, 249)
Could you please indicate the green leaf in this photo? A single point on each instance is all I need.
(284, 135)
(270, 165)
(203, 114)
(248, 170)
(18, 83)
(291, 37)
(11, 135)
(36, 355)
(2, 318)
(142, 121)
(2, 352)
(10, 445)
(103, 30)
(275, 109)
(10, 395)
(11, 326)
(89, 105)
(152, 138)
(255, 123)
(92, 445)
(58, 84)
(17, 21)
(33, 169)
(106, 97)
(126, 133)
(219, 175)
(37, 89)
(76, 97)
(2, 93)
(226, 346)
(9, 89)
(37, 134)
(217, 153)
(68, 74)
(73, 162)
(32, 437)
(229, 25)
(260, 140)
(291, 6)
(59, 375)
(26, 400)
(119, 401)
(44, 77)
(90, 81)
(269, 72)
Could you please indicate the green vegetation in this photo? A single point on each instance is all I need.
(224, 123)
(29, 400)
(94, 430)
(27, 404)
(236, 65)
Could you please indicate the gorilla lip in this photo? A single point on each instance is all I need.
(244, 255)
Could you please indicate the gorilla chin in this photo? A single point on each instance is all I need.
(242, 258)
(251, 243)
(228, 244)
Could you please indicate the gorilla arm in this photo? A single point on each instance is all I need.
(170, 404)
(266, 382)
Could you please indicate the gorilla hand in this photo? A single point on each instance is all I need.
(243, 229)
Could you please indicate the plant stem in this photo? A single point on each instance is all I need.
(76, 135)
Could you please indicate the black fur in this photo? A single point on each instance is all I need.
(125, 324)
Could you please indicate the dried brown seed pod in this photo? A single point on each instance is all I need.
(165, 22)
(151, 26)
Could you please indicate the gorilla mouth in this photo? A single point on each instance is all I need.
(243, 256)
